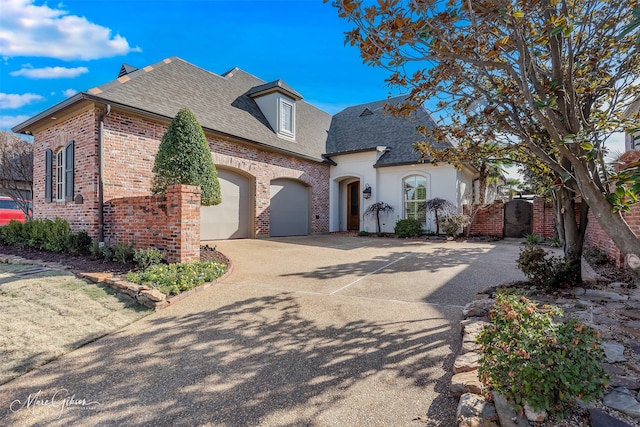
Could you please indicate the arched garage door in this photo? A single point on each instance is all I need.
(229, 219)
(289, 208)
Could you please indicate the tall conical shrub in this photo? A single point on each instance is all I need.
(184, 158)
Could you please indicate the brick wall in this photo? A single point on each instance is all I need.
(543, 221)
(488, 221)
(169, 222)
(129, 148)
(83, 129)
(596, 236)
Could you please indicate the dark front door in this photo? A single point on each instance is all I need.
(517, 218)
(353, 206)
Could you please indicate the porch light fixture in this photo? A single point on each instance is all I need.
(367, 191)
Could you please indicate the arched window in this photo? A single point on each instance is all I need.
(415, 196)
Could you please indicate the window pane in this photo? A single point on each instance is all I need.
(60, 175)
(287, 117)
(415, 194)
(8, 204)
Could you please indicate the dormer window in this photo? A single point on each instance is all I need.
(287, 118)
(277, 101)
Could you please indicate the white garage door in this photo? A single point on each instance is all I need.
(229, 219)
(289, 208)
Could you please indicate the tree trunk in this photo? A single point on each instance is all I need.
(437, 222)
(573, 235)
(557, 213)
(613, 224)
(482, 184)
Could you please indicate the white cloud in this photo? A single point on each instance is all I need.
(49, 72)
(69, 92)
(7, 122)
(13, 100)
(27, 29)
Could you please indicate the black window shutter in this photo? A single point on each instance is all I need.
(68, 172)
(48, 167)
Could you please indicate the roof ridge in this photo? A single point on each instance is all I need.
(132, 75)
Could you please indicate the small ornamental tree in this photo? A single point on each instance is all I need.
(377, 209)
(184, 158)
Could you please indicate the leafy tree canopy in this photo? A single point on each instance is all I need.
(553, 78)
(184, 158)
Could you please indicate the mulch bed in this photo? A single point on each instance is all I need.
(89, 264)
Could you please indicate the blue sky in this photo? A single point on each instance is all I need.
(52, 50)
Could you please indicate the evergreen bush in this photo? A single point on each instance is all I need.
(408, 228)
(184, 157)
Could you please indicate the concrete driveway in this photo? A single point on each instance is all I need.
(317, 331)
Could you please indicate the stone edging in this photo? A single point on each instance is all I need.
(144, 295)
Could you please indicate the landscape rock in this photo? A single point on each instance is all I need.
(622, 400)
(614, 352)
(472, 329)
(533, 415)
(465, 382)
(474, 410)
(469, 347)
(600, 294)
(577, 291)
(506, 413)
(153, 294)
(599, 418)
(631, 383)
(478, 308)
(466, 362)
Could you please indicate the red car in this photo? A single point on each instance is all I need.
(9, 210)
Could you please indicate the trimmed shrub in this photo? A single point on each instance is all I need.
(529, 358)
(543, 269)
(408, 228)
(80, 243)
(184, 157)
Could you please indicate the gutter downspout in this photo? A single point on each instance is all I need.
(101, 176)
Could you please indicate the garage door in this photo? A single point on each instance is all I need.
(289, 209)
(229, 219)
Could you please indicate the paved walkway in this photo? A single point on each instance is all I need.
(318, 331)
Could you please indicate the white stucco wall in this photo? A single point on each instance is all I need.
(443, 181)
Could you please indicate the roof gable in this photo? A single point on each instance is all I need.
(222, 103)
(368, 126)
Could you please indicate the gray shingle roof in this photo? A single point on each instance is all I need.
(220, 102)
(277, 85)
(366, 126)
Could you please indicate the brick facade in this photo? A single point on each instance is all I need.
(595, 234)
(130, 144)
(489, 220)
(169, 222)
(83, 129)
(543, 218)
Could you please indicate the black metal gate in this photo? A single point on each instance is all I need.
(517, 218)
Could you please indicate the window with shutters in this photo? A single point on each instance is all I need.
(59, 172)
